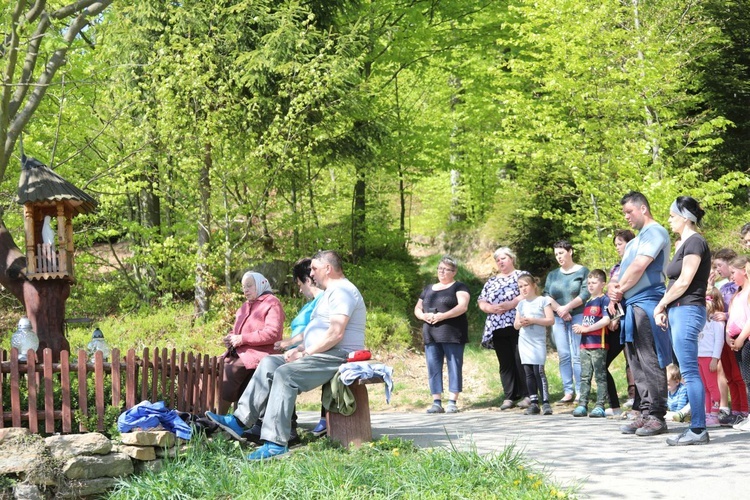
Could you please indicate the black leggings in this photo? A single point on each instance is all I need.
(615, 348)
(536, 381)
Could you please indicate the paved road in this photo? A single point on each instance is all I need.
(589, 452)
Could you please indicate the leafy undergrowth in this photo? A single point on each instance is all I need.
(387, 468)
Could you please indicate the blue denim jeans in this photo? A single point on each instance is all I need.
(453, 354)
(569, 351)
(686, 323)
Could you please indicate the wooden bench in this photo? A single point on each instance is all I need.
(356, 428)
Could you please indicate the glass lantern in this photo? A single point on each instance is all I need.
(24, 339)
(98, 344)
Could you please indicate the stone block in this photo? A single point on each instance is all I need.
(22, 452)
(144, 453)
(91, 467)
(154, 466)
(85, 488)
(91, 443)
(162, 439)
(12, 432)
(23, 491)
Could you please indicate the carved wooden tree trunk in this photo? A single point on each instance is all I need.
(44, 300)
(45, 307)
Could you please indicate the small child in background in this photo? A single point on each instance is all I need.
(533, 316)
(710, 344)
(678, 408)
(593, 332)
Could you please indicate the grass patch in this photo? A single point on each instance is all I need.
(387, 468)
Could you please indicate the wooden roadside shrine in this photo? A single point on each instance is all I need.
(48, 201)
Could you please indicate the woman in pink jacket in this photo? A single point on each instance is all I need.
(259, 324)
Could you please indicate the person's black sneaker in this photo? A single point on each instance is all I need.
(730, 419)
(533, 409)
(293, 438)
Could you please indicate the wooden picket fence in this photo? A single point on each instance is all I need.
(184, 381)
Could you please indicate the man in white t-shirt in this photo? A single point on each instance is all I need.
(336, 328)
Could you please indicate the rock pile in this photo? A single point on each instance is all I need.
(76, 465)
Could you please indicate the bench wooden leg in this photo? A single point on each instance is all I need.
(356, 428)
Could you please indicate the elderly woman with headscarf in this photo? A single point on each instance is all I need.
(258, 326)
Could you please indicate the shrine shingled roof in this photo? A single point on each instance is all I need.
(39, 183)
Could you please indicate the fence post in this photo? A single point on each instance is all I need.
(155, 364)
(99, 389)
(181, 383)
(204, 385)
(163, 371)
(82, 389)
(173, 378)
(67, 414)
(49, 392)
(197, 369)
(32, 390)
(131, 383)
(116, 375)
(144, 375)
(210, 383)
(15, 391)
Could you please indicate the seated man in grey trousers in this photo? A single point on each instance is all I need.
(336, 328)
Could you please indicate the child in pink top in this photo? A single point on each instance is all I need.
(710, 344)
(738, 327)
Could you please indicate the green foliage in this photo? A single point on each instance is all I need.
(386, 468)
(390, 289)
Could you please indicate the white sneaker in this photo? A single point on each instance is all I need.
(744, 426)
(628, 403)
(739, 425)
(612, 412)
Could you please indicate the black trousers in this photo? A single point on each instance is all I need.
(650, 378)
(512, 375)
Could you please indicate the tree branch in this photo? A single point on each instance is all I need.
(17, 122)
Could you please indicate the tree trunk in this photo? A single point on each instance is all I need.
(43, 300)
(202, 303)
(150, 203)
(358, 216)
(457, 213)
(227, 236)
(652, 117)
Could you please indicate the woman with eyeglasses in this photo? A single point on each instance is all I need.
(442, 307)
(258, 325)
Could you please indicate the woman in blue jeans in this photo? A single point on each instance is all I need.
(566, 286)
(445, 332)
(683, 307)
